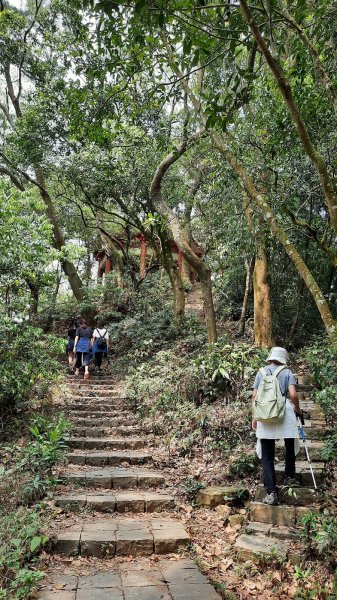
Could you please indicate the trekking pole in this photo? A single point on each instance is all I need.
(306, 450)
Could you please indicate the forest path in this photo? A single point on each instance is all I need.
(194, 301)
(116, 534)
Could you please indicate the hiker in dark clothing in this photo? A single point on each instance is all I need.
(100, 343)
(71, 343)
(286, 429)
(82, 348)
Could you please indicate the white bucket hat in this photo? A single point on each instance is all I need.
(279, 354)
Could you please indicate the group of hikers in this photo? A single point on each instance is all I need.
(84, 343)
(276, 410)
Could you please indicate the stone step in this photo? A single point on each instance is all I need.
(314, 448)
(122, 537)
(265, 529)
(113, 477)
(252, 547)
(106, 431)
(282, 515)
(90, 390)
(95, 398)
(104, 422)
(89, 414)
(178, 579)
(90, 394)
(94, 380)
(100, 459)
(315, 432)
(116, 501)
(108, 443)
(303, 473)
(296, 496)
(97, 407)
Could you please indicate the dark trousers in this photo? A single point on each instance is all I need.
(99, 358)
(268, 462)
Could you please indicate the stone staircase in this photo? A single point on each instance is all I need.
(116, 509)
(276, 529)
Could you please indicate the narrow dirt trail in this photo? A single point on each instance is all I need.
(117, 534)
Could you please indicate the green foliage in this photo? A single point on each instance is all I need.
(191, 488)
(25, 478)
(329, 452)
(33, 462)
(244, 465)
(326, 398)
(230, 366)
(320, 535)
(322, 360)
(26, 351)
(20, 541)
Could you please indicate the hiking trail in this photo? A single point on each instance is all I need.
(117, 535)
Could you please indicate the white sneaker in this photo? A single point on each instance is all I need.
(271, 499)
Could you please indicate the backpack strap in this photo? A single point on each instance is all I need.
(263, 371)
(279, 369)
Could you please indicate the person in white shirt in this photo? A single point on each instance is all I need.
(100, 343)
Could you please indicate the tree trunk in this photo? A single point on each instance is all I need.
(34, 292)
(175, 278)
(266, 210)
(281, 235)
(68, 267)
(302, 132)
(210, 320)
(263, 322)
(185, 266)
(180, 239)
(249, 266)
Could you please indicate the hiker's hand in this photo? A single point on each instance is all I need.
(254, 424)
(300, 416)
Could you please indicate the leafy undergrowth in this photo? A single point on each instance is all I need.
(26, 476)
(196, 403)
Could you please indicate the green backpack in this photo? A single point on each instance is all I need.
(269, 401)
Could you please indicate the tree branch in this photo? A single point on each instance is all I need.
(13, 178)
(313, 234)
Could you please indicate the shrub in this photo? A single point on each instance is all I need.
(322, 359)
(20, 541)
(320, 535)
(28, 352)
(32, 463)
(230, 366)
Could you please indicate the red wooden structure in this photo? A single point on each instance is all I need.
(139, 241)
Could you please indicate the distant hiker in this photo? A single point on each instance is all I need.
(275, 408)
(100, 343)
(71, 343)
(82, 347)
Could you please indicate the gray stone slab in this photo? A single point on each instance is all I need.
(187, 591)
(181, 571)
(135, 543)
(101, 544)
(99, 594)
(69, 582)
(100, 580)
(157, 592)
(133, 524)
(141, 578)
(68, 542)
(100, 525)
